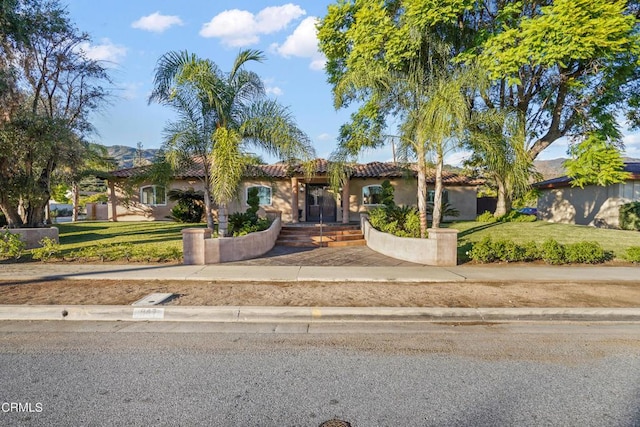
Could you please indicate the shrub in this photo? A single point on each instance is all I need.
(243, 223)
(486, 216)
(629, 216)
(49, 249)
(552, 252)
(11, 245)
(483, 251)
(401, 221)
(515, 216)
(585, 253)
(189, 207)
(633, 254)
(531, 251)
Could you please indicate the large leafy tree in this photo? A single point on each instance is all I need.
(566, 68)
(398, 73)
(221, 116)
(48, 89)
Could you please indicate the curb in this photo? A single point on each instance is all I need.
(312, 314)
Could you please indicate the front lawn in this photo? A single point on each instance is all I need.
(616, 241)
(136, 241)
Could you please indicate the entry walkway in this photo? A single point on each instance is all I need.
(336, 257)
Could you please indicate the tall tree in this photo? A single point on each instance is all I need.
(566, 67)
(400, 73)
(220, 116)
(50, 89)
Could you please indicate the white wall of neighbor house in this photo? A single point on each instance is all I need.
(592, 205)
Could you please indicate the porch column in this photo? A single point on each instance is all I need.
(114, 200)
(294, 199)
(345, 202)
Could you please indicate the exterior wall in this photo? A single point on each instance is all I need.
(592, 205)
(406, 193)
(136, 211)
(462, 198)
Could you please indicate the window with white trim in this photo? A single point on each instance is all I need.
(264, 193)
(372, 195)
(153, 195)
(431, 195)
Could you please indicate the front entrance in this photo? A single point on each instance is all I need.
(320, 204)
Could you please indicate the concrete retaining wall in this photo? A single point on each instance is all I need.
(32, 236)
(441, 248)
(200, 249)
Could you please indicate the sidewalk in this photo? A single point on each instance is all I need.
(223, 272)
(314, 315)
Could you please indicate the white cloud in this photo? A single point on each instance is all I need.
(303, 43)
(239, 28)
(324, 137)
(156, 22)
(105, 51)
(275, 90)
(457, 158)
(130, 90)
(632, 145)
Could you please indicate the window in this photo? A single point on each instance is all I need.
(264, 193)
(153, 195)
(431, 195)
(372, 195)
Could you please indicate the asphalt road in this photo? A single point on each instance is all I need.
(79, 373)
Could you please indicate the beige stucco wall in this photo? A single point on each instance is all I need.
(406, 193)
(462, 198)
(591, 205)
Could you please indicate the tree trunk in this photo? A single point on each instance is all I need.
(422, 196)
(11, 215)
(208, 208)
(504, 200)
(437, 198)
(222, 220)
(75, 199)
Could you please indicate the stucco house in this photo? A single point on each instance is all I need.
(285, 188)
(592, 205)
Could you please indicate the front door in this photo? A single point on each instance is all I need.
(321, 205)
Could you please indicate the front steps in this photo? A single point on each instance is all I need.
(309, 236)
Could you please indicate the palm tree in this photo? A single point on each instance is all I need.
(221, 117)
(497, 139)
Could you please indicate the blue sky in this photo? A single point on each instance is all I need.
(131, 35)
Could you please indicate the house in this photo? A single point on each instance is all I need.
(284, 187)
(592, 205)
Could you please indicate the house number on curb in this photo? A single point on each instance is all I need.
(148, 313)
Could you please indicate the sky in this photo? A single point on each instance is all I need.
(130, 36)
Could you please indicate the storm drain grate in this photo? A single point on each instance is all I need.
(335, 423)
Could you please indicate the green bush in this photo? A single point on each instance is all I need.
(585, 253)
(552, 252)
(243, 223)
(49, 249)
(629, 216)
(187, 212)
(11, 245)
(633, 254)
(515, 216)
(531, 251)
(486, 216)
(401, 221)
(483, 251)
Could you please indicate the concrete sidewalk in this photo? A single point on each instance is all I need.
(16, 273)
(236, 273)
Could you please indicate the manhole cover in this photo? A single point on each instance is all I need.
(335, 423)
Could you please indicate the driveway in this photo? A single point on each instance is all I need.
(347, 256)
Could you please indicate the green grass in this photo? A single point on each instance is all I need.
(616, 241)
(144, 241)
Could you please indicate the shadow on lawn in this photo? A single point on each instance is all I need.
(475, 229)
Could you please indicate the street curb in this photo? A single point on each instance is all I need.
(311, 314)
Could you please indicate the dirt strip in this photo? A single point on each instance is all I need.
(350, 294)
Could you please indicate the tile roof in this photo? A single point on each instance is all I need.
(565, 181)
(284, 170)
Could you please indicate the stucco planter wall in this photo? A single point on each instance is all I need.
(199, 248)
(32, 236)
(440, 248)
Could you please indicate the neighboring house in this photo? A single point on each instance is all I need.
(592, 205)
(283, 187)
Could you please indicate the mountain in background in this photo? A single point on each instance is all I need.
(554, 169)
(126, 156)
